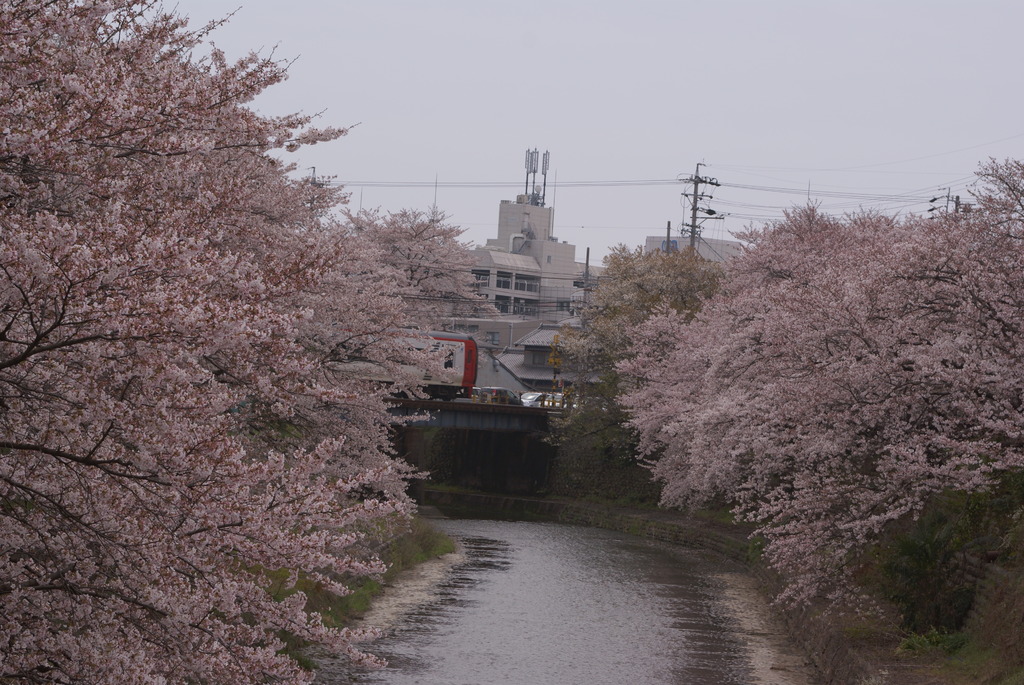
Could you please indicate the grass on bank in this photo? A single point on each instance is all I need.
(961, 659)
(421, 543)
(957, 574)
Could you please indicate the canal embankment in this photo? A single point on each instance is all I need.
(844, 646)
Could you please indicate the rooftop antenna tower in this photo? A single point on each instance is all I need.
(532, 158)
(536, 196)
(544, 172)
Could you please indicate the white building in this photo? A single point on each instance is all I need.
(526, 273)
(535, 284)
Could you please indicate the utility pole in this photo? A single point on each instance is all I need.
(586, 281)
(668, 237)
(958, 206)
(697, 180)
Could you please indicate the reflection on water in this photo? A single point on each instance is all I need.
(536, 603)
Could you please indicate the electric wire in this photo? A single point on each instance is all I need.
(853, 198)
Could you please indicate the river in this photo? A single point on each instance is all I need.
(546, 603)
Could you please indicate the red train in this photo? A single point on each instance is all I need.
(460, 356)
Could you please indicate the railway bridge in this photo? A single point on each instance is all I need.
(490, 447)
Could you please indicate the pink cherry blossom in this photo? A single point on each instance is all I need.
(853, 368)
(176, 307)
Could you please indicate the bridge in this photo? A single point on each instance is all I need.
(471, 415)
(490, 447)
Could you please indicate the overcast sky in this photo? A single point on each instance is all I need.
(868, 103)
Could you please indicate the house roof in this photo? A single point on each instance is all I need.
(538, 338)
(543, 336)
(533, 376)
(513, 262)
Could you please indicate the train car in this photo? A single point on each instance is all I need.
(460, 356)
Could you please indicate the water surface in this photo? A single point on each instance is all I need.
(544, 603)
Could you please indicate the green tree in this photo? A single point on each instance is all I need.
(596, 448)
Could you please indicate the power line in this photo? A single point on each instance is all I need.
(819, 191)
(742, 206)
(874, 197)
(504, 184)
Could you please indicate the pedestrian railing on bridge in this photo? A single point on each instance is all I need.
(471, 415)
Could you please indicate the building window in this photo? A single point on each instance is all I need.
(524, 307)
(481, 277)
(527, 284)
(503, 304)
(537, 357)
(549, 259)
(504, 280)
(562, 306)
(492, 338)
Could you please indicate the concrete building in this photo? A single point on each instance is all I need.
(711, 249)
(536, 285)
(526, 270)
(526, 273)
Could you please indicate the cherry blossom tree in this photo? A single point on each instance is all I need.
(425, 257)
(177, 419)
(853, 368)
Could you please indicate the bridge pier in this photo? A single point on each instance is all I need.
(498, 461)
